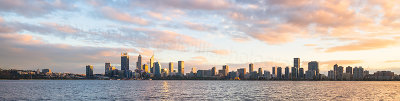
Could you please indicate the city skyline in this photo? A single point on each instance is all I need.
(65, 36)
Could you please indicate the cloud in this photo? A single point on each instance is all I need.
(310, 44)
(1, 19)
(340, 62)
(221, 52)
(158, 16)
(392, 61)
(184, 4)
(122, 17)
(198, 27)
(35, 8)
(364, 44)
(198, 60)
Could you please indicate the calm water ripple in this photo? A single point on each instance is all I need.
(197, 90)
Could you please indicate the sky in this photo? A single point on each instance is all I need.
(67, 35)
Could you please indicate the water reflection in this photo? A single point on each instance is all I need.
(197, 90)
(165, 90)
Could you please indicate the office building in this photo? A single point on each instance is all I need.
(213, 71)
(301, 73)
(384, 75)
(89, 71)
(349, 70)
(294, 71)
(157, 69)
(287, 73)
(296, 64)
(139, 63)
(170, 67)
(181, 68)
(107, 69)
(241, 72)
(273, 72)
(46, 71)
(251, 67)
(260, 72)
(146, 68)
(125, 64)
(267, 75)
(313, 66)
(331, 75)
(279, 72)
(338, 72)
(226, 69)
(151, 64)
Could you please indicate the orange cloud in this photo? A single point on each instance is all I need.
(158, 16)
(196, 26)
(24, 39)
(221, 52)
(310, 44)
(198, 60)
(341, 62)
(391, 61)
(124, 17)
(364, 44)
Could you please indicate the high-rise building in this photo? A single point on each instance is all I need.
(294, 71)
(181, 68)
(171, 67)
(273, 72)
(267, 74)
(194, 70)
(358, 73)
(139, 63)
(242, 72)
(296, 64)
(260, 72)
(313, 65)
(213, 71)
(46, 71)
(287, 72)
(301, 73)
(279, 72)
(125, 64)
(151, 64)
(107, 69)
(146, 68)
(349, 70)
(331, 75)
(251, 67)
(89, 71)
(338, 72)
(226, 69)
(157, 69)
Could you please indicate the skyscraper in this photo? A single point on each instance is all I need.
(260, 72)
(301, 73)
(226, 69)
(251, 66)
(89, 71)
(313, 65)
(171, 67)
(279, 72)
(146, 68)
(287, 72)
(139, 63)
(107, 69)
(157, 69)
(242, 72)
(294, 71)
(181, 68)
(273, 72)
(349, 70)
(151, 64)
(296, 64)
(125, 64)
(213, 71)
(338, 72)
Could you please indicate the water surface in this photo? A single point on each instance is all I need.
(197, 90)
